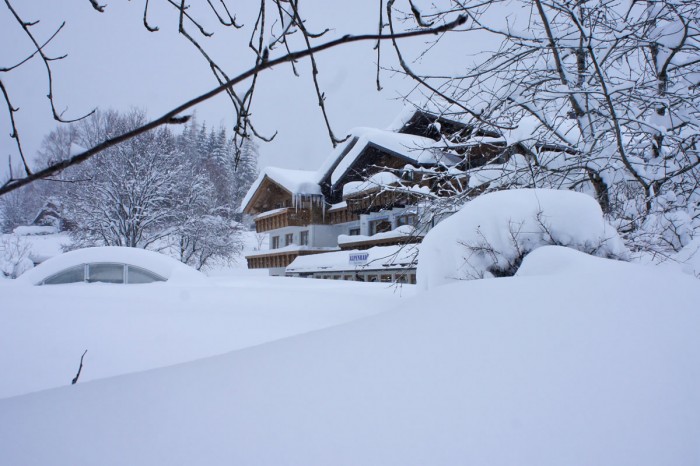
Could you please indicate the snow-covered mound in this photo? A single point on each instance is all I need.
(490, 235)
(554, 260)
(160, 264)
(594, 368)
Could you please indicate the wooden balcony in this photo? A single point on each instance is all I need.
(273, 259)
(288, 217)
(374, 201)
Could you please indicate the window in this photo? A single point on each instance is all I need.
(138, 275)
(288, 239)
(275, 242)
(385, 278)
(354, 232)
(379, 226)
(105, 273)
(371, 278)
(73, 275)
(304, 238)
(409, 219)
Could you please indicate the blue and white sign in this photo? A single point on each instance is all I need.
(358, 258)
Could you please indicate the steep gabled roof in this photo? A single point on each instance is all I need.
(413, 138)
(411, 149)
(295, 182)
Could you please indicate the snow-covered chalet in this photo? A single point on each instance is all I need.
(345, 220)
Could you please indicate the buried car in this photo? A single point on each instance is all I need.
(109, 264)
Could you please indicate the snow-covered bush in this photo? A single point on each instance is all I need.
(14, 256)
(689, 258)
(492, 234)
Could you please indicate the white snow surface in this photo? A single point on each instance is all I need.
(579, 361)
(497, 228)
(163, 265)
(129, 328)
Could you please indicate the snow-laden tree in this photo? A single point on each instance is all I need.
(129, 195)
(20, 207)
(231, 169)
(153, 191)
(595, 96)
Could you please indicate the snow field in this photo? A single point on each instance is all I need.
(578, 361)
(128, 328)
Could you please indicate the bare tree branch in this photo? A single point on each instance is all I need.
(173, 116)
(77, 376)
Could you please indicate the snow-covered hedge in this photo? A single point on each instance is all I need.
(491, 235)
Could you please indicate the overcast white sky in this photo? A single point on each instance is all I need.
(113, 62)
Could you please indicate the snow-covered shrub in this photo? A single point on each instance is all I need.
(14, 256)
(490, 236)
(689, 258)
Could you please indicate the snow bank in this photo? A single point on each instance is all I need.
(491, 234)
(553, 370)
(167, 267)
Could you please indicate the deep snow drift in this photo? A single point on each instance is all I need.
(577, 361)
(128, 328)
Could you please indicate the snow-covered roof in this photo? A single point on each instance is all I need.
(297, 182)
(373, 182)
(158, 263)
(378, 258)
(415, 149)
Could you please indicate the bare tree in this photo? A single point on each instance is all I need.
(279, 27)
(593, 96)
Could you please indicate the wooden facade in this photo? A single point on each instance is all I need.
(376, 200)
(343, 215)
(290, 217)
(277, 259)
